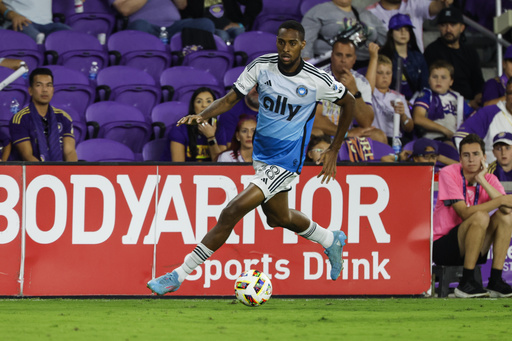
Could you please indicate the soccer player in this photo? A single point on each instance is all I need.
(288, 89)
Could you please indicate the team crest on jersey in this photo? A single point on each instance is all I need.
(337, 88)
(59, 127)
(301, 90)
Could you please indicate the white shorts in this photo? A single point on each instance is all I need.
(272, 179)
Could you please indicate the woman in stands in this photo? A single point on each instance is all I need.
(196, 142)
(241, 143)
(401, 46)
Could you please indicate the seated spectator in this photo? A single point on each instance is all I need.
(387, 102)
(324, 22)
(438, 109)
(489, 121)
(416, 9)
(494, 89)
(317, 145)
(471, 214)
(226, 15)
(5, 146)
(425, 150)
(32, 17)
(502, 150)
(40, 132)
(343, 58)
(196, 142)
(240, 149)
(402, 49)
(467, 77)
(150, 16)
(227, 122)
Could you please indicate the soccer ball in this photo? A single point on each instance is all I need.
(253, 288)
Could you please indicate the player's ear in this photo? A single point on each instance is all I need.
(303, 44)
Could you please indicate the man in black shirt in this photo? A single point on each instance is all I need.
(468, 78)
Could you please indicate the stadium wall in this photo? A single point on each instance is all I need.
(90, 229)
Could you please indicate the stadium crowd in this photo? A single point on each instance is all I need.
(437, 91)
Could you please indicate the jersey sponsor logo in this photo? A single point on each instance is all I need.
(301, 90)
(281, 106)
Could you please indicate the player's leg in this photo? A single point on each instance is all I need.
(278, 213)
(498, 234)
(244, 202)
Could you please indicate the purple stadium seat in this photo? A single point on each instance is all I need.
(180, 82)
(130, 86)
(274, 13)
(18, 90)
(97, 17)
(119, 122)
(165, 115)
(71, 88)
(378, 150)
(157, 150)
(20, 46)
(140, 50)
(306, 5)
(246, 50)
(231, 76)
(216, 62)
(76, 50)
(104, 150)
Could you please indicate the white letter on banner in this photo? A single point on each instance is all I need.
(307, 265)
(80, 184)
(61, 209)
(334, 189)
(204, 210)
(356, 210)
(7, 209)
(138, 207)
(249, 220)
(171, 190)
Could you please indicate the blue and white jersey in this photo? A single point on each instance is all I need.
(287, 108)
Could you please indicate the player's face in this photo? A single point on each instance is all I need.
(202, 101)
(289, 47)
(42, 89)
(471, 156)
(246, 134)
(503, 153)
(343, 57)
(383, 77)
(440, 80)
(317, 151)
(429, 156)
(402, 36)
(451, 32)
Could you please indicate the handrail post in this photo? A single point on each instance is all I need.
(499, 47)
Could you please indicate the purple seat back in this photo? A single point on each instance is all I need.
(120, 122)
(140, 50)
(246, 50)
(130, 86)
(76, 50)
(184, 80)
(231, 76)
(18, 90)
(71, 88)
(168, 113)
(274, 13)
(104, 150)
(20, 46)
(157, 150)
(97, 17)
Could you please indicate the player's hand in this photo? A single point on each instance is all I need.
(19, 21)
(328, 159)
(190, 120)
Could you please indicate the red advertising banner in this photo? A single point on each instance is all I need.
(11, 195)
(103, 230)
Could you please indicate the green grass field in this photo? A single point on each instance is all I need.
(279, 319)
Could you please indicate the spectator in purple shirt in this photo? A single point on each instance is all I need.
(502, 150)
(494, 89)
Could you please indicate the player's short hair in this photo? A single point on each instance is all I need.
(472, 138)
(382, 59)
(442, 64)
(293, 25)
(39, 71)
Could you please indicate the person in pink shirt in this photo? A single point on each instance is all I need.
(471, 214)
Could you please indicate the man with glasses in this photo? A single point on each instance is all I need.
(502, 150)
(40, 132)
